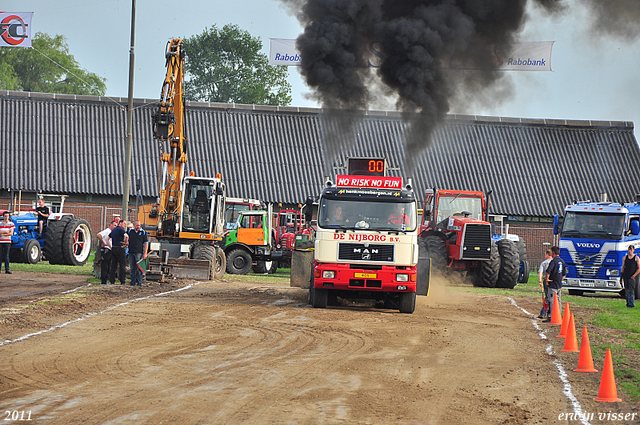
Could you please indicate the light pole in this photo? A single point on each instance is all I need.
(126, 179)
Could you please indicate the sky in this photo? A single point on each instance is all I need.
(593, 77)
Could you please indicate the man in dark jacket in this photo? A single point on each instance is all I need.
(554, 276)
(138, 244)
(119, 241)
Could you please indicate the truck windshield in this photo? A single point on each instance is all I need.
(367, 215)
(455, 205)
(592, 225)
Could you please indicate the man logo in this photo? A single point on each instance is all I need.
(366, 256)
(13, 30)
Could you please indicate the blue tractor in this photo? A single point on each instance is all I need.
(66, 239)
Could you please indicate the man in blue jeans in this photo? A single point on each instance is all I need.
(629, 273)
(138, 245)
(556, 271)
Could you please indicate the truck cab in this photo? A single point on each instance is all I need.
(594, 239)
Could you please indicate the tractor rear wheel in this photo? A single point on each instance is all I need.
(487, 276)
(31, 251)
(509, 264)
(239, 262)
(53, 240)
(76, 242)
(434, 247)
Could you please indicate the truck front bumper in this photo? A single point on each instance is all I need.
(382, 279)
(612, 284)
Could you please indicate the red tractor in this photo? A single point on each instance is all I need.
(290, 225)
(456, 234)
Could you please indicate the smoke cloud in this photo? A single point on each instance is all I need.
(417, 42)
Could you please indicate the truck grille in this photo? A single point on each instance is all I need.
(585, 271)
(589, 259)
(368, 252)
(476, 244)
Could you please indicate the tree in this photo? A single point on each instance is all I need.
(48, 67)
(227, 66)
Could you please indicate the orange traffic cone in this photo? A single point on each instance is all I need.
(565, 321)
(585, 361)
(556, 318)
(571, 341)
(608, 392)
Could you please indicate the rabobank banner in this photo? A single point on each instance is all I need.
(283, 52)
(15, 29)
(527, 56)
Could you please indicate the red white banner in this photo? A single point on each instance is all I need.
(369, 182)
(15, 29)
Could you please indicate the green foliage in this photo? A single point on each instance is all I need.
(48, 67)
(226, 66)
(45, 267)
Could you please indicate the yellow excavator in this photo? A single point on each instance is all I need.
(188, 217)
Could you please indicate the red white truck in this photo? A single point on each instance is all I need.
(366, 243)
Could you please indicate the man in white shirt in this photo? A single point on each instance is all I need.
(105, 252)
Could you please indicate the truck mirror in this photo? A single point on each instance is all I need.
(556, 229)
(635, 227)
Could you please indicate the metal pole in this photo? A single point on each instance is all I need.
(128, 147)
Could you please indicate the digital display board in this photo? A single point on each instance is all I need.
(367, 167)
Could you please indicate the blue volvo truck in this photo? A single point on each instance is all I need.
(594, 238)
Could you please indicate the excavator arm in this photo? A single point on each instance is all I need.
(168, 130)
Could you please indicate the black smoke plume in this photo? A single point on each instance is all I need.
(432, 51)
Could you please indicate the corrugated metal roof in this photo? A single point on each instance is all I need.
(75, 144)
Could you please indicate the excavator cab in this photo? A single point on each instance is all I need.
(203, 206)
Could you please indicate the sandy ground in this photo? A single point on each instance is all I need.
(229, 352)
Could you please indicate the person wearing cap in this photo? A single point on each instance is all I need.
(6, 231)
(43, 215)
(629, 273)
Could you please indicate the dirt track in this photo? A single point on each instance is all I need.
(232, 352)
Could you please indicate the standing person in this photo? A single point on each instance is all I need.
(543, 283)
(629, 272)
(43, 215)
(119, 239)
(105, 251)
(554, 276)
(138, 244)
(6, 231)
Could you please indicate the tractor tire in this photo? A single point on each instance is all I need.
(239, 262)
(509, 264)
(76, 242)
(212, 254)
(319, 298)
(487, 275)
(523, 276)
(53, 240)
(265, 267)
(523, 272)
(434, 247)
(31, 252)
(15, 255)
(407, 302)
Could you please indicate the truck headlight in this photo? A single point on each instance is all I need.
(613, 272)
(328, 274)
(402, 277)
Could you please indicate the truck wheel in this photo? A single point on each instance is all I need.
(76, 242)
(509, 264)
(31, 251)
(213, 255)
(487, 275)
(53, 240)
(434, 247)
(264, 267)
(238, 262)
(407, 302)
(319, 298)
(637, 291)
(576, 292)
